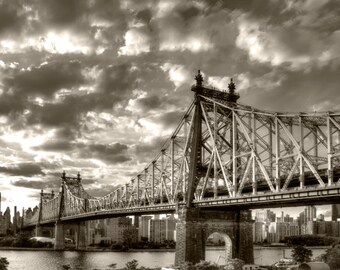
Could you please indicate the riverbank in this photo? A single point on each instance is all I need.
(289, 247)
(39, 259)
(89, 249)
(26, 249)
(92, 249)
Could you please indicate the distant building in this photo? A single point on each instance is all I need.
(113, 230)
(7, 220)
(157, 230)
(259, 233)
(335, 212)
(170, 228)
(329, 228)
(278, 231)
(7, 225)
(143, 230)
(121, 230)
(310, 213)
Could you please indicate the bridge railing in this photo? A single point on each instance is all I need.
(242, 151)
(50, 209)
(73, 205)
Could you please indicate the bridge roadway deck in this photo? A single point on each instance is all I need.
(298, 197)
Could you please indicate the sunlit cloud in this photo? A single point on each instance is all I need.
(177, 73)
(61, 43)
(192, 44)
(219, 82)
(137, 41)
(111, 75)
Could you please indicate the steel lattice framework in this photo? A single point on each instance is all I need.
(221, 154)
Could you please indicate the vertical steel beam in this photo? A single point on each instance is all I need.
(195, 154)
(253, 139)
(186, 137)
(234, 145)
(290, 128)
(126, 194)
(277, 154)
(270, 150)
(162, 175)
(137, 188)
(315, 143)
(302, 171)
(172, 146)
(329, 151)
(146, 183)
(153, 182)
(215, 154)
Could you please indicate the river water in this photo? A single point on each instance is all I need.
(50, 260)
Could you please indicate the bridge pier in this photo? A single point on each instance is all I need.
(59, 236)
(196, 225)
(80, 236)
(38, 230)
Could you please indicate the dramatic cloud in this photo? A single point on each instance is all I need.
(22, 169)
(45, 79)
(98, 86)
(112, 153)
(30, 184)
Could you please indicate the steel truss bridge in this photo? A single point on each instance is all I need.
(222, 155)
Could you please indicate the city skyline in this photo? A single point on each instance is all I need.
(97, 88)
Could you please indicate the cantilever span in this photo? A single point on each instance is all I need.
(222, 155)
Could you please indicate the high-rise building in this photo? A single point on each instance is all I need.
(143, 230)
(259, 232)
(116, 229)
(335, 212)
(170, 228)
(157, 230)
(7, 219)
(310, 213)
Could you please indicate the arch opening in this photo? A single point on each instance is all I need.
(218, 246)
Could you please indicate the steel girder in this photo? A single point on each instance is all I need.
(238, 151)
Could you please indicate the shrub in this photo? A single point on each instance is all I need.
(301, 254)
(3, 263)
(234, 264)
(332, 258)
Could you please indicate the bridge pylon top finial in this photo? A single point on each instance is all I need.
(231, 86)
(199, 78)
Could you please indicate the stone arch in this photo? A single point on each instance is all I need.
(228, 243)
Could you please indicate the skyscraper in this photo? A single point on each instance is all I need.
(335, 211)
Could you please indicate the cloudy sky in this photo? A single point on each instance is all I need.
(97, 86)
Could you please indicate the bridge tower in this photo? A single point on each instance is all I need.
(73, 183)
(196, 224)
(38, 228)
(59, 226)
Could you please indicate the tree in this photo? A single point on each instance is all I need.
(301, 254)
(234, 264)
(332, 258)
(3, 263)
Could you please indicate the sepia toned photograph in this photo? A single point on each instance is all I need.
(170, 134)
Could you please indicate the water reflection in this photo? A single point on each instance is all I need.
(46, 260)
